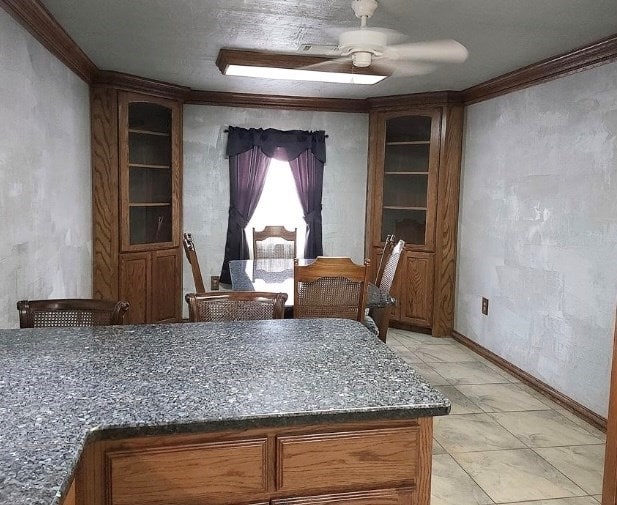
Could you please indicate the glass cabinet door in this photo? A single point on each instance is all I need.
(148, 174)
(409, 172)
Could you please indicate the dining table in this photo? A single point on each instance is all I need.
(277, 276)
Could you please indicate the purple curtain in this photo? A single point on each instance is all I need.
(250, 152)
(247, 175)
(307, 171)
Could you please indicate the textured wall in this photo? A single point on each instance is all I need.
(45, 202)
(538, 231)
(206, 177)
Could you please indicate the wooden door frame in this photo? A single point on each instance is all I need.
(609, 488)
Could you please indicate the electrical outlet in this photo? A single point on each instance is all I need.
(485, 306)
(214, 283)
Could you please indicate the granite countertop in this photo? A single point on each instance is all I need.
(60, 387)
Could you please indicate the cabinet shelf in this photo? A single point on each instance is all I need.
(149, 204)
(149, 132)
(142, 165)
(399, 207)
(405, 173)
(410, 143)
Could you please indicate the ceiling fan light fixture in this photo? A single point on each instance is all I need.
(294, 67)
(298, 74)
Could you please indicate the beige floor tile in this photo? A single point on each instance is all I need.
(437, 449)
(598, 498)
(472, 372)
(577, 500)
(583, 464)
(516, 475)
(545, 428)
(501, 397)
(429, 373)
(581, 422)
(444, 353)
(461, 404)
(452, 486)
(472, 432)
(497, 368)
(410, 357)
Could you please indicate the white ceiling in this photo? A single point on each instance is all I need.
(178, 40)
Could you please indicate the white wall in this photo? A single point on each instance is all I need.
(206, 178)
(538, 231)
(45, 202)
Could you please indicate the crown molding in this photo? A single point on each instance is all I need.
(138, 84)
(594, 54)
(35, 18)
(276, 101)
(396, 102)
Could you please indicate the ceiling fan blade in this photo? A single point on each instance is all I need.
(446, 51)
(332, 65)
(400, 68)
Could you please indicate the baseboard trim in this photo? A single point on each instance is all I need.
(550, 392)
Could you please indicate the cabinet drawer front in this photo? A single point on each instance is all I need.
(344, 460)
(210, 473)
(379, 497)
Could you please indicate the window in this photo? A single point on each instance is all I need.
(279, 205)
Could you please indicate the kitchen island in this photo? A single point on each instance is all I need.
(282, 412)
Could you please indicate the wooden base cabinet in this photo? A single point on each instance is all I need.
(157, 273)
(376, 463)
(136, 177)
(413, 191)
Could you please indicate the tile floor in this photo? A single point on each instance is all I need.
(503, 442)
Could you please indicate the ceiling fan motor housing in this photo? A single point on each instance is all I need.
(362, 45)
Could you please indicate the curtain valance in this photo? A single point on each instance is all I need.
(278, 144)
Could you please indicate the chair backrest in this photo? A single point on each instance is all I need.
(191, 255)
(70, 312)
(274, 242)
(235, 306)
(391, 267)
(387, 250)
(330, 287)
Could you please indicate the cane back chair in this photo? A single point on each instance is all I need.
(274, 242)
(70, 312)
(235, 306)
(330, 287)
(191, 255)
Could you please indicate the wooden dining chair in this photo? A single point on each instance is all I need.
(330, 287)
(70, 312)
(274, 242)
(191, 255)
(385, 254)
(381, 316)
(235, 306)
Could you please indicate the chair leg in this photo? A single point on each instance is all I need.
(381, 316)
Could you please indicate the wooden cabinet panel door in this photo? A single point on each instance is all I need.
(135, 286)
(329, 461)
(417, 289)
(379, 497)
(166, 275)
(214, 473)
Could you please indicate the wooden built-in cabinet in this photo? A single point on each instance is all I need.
(413, 190)
(375, 463)
(136, 146)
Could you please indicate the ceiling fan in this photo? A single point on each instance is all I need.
(370, 47)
